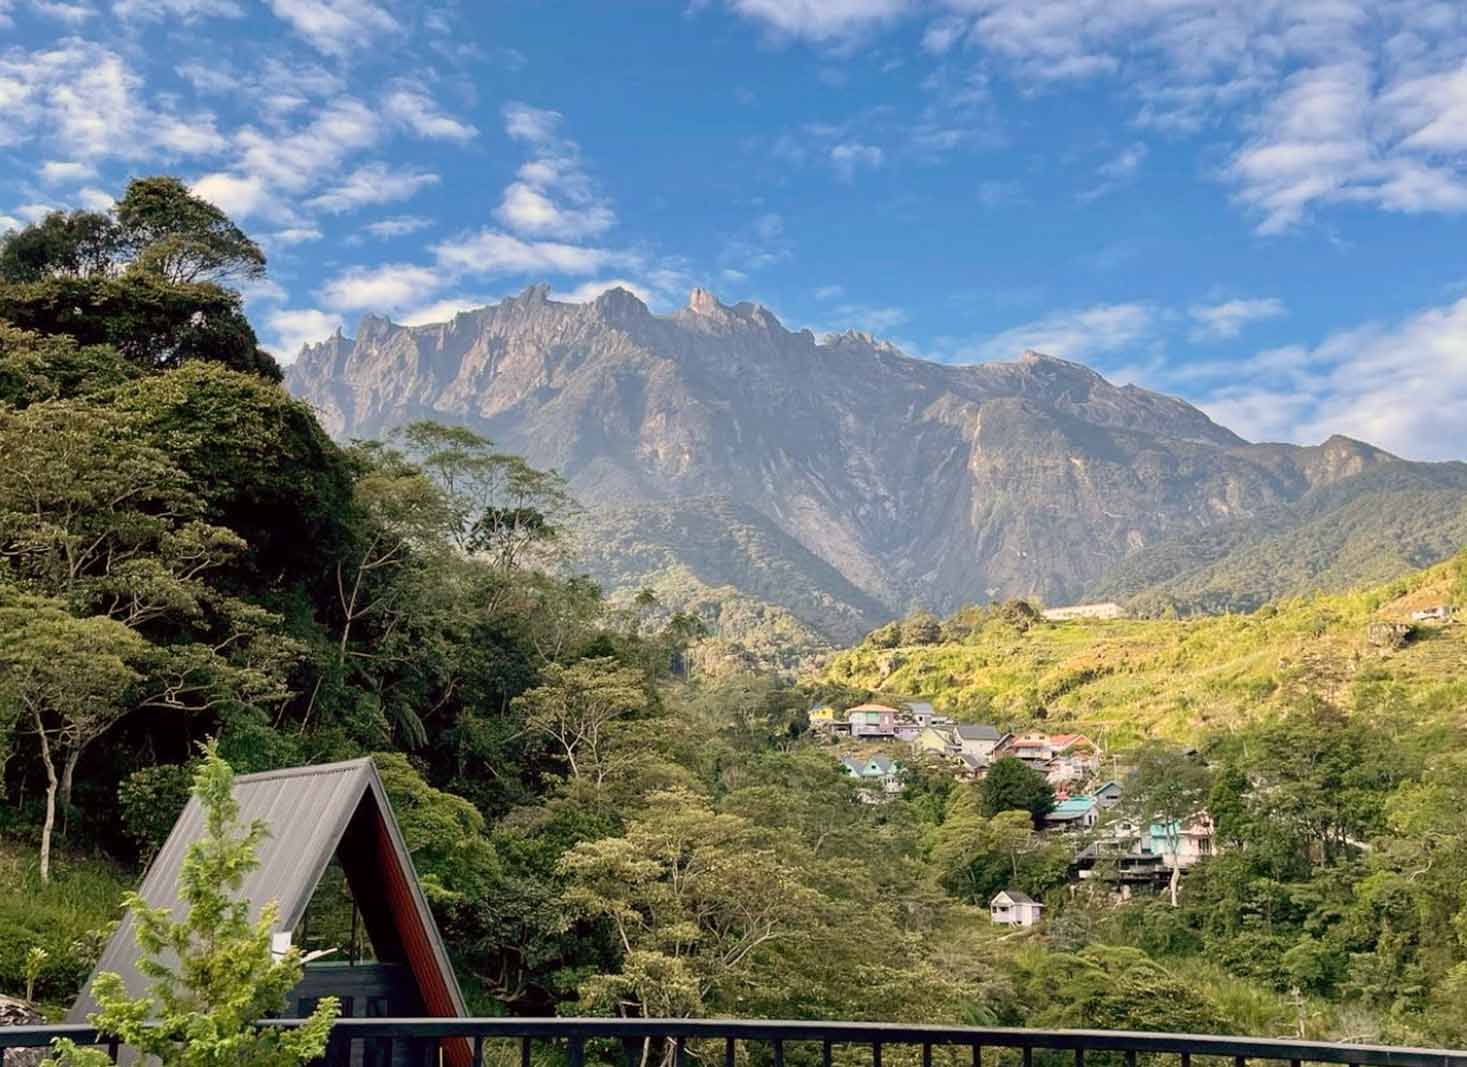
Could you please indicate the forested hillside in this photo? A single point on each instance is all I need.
(601, 826)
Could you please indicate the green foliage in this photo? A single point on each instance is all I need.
(214, 972)
(69, 918)
(1012, 785)
(180, 237)
(150, 801)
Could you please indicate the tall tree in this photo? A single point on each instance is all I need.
(170, 232)
(69, 679)
(1012, 785)
(1166, 792)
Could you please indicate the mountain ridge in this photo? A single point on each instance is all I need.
(921, 483)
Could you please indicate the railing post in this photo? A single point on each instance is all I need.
(679, 1050)
(524, 1052)
(876, 1054)
(728, 1053)
(927, 1054)
(825, 1053)
(778, 1052)
(577, 1050)
(1079, 1057)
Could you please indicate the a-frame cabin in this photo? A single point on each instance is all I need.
(317, 814)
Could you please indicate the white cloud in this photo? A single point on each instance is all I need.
(386, 288)
(830, 292)
(1401, 386)
(94, 199)
(73, 14)
(1080, 335)
(292, 161)
(849, 156)
(397, 226)
(1322, 101)
(372, 183)
(491, 252)
(412, 107)
(186, 10)
(237, 195)
(294, 235)
(62, 172)
(335, 27)
(291, 329)
(84, 101)
(442, 310)
(820, 20)
(552, 195)
(1227, 319)
(9, 222)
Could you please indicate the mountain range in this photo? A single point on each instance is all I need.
(844, 482)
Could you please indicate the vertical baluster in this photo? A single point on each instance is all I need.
(478, 1060)
(876, 1054)
(778, 1053)
(679, 1050)
(825, 1053)
(629, 1053)
(926, 1054)
(113, 1045)
(577, 1051)
(1029, 1057)
(1240, 1061)
(524, 1052)
(1079, 1057)
(977, 1056)
(728, 1052)
(1186, 1059)
(1130, 1057)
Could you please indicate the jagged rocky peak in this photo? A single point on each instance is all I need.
(619, 302)
(703, 302)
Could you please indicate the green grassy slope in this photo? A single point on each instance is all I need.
(1133, 678)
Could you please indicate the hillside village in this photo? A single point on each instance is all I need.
(1112, 849)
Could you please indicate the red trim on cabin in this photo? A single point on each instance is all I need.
(417, 944)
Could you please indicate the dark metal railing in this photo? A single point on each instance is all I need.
(674, 1042)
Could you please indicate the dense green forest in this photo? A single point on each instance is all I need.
(601, 826)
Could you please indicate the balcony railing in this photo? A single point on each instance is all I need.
(685, 1042)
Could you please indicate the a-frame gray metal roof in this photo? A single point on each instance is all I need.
(308, 811)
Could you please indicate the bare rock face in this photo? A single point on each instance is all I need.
(919, 482)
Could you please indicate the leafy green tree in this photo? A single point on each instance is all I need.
(69, 679)
(201, 1011)
(182, 238)
(921, 628)
(34, 368)
(694, 898)
(1012, 785)
(582, 711)
(1168, 788)
(77, 244)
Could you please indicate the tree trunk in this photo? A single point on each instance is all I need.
(1176, 879)
(68, 776)
(51, 788)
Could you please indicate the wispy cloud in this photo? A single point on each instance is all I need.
(1226, 320)
(552, 195)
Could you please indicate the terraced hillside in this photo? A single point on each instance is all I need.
(1129, 678)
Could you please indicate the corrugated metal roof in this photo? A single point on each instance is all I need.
(307, 810)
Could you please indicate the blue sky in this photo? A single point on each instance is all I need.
(1258, 205)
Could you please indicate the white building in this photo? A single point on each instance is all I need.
(1012, 908)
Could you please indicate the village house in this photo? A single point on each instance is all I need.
(1033, 749)
(822, 718)
(1107, 795)
(1074, 813)
(1181, 844)
(924, 714)
(872, 720)
(977, 739)
(1435, 613)
(1013, 908)
(880, 778)
(938, 740)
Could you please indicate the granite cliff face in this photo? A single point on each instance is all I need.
(918, 482)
